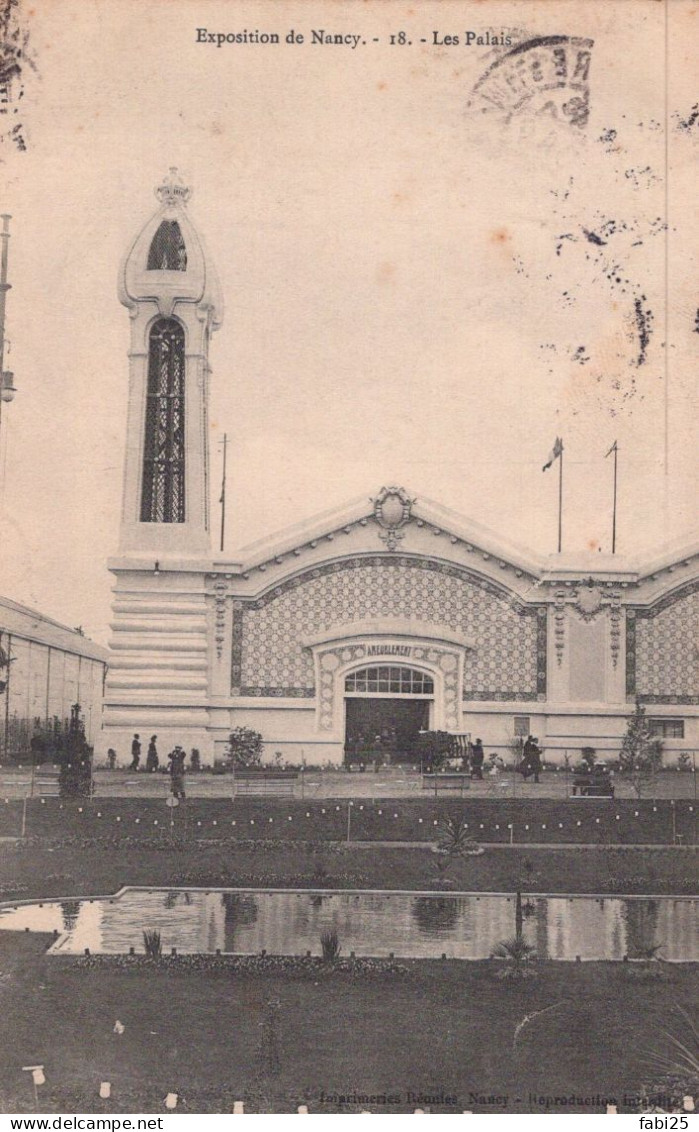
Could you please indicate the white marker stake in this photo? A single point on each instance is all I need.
(303, 1109)
(688, 1104)
(611, 1110)
(119, 1027)
(238, 1108)
(171, 1100)
(105, 1090)
(38, 1078)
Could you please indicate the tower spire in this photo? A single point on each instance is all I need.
(169, 284)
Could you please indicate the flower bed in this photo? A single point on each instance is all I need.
(308, 965)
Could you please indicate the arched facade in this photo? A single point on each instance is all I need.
(511, 644)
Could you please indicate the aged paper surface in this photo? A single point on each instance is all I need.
(429, 273)
(447, 234)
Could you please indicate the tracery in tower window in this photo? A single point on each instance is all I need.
(163, 494)
(167, 251)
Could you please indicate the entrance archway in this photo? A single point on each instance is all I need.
(386, 708)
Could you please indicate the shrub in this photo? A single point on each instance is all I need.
(435, 748)
(330, 944)
(245, 747)
(589, 756)
(320, 873)
(646, 973)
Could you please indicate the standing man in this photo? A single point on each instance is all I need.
(135, 752)
(477, 760)
(177, 771)
(531, 759)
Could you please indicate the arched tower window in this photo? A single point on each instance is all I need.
(163, 496)
(167, 251)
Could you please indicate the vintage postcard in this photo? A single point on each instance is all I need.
(349, 573)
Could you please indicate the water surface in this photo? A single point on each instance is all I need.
(409, 925)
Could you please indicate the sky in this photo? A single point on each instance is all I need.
(421, 287)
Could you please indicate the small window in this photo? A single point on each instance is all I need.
(522, 726)
(666, 728)
(167, 251)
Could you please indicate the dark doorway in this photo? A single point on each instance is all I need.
(384, 730)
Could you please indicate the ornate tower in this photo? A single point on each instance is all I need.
(158, 671)
(169, 285)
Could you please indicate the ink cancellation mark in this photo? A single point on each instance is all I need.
(14, 57)
(543, 77)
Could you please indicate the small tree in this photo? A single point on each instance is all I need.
(435, 748)
(641, 756)
(245, 747)
(589, 757)
(75, 774)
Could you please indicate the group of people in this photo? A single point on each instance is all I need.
(176, 762)
(529, 766)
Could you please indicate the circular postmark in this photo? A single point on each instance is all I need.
(547, 76)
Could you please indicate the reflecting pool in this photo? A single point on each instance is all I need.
(409, 925)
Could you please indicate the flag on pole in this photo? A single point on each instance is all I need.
(555, 452)
(612, 449)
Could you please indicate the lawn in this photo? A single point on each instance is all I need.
(496, 820)
(444, 1028)
(45, 869)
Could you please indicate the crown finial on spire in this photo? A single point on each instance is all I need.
(173, 190)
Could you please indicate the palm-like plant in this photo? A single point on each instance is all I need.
(680, 1057)
(152, 944)
(675, 1064)
(330, 943)
(454, 838)
(518, 955)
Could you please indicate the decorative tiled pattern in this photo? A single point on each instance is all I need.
(510, 655)
(661, 652)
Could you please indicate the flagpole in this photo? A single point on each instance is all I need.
(560, 500)
(222, 500)
(614, 507)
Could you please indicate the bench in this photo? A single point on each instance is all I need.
(438, 782)
(265, 783)
(46, 786)
(592, 786)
